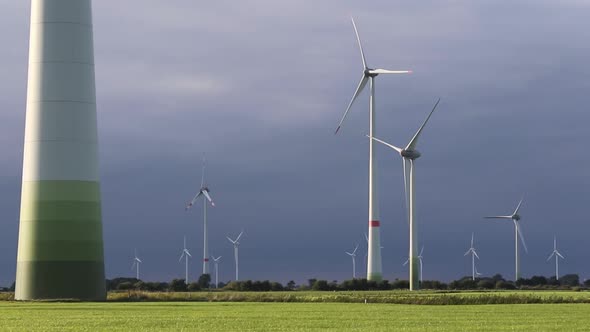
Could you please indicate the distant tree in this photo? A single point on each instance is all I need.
(221, 284)
(193, 287)
(320, 285)
(125, 286)
(433, 284)
(553, 281)
(486, 284)
(400, 284)
(178, 285)
(204, 280)
(233, 286)
(291, 285)
(502, 284)
(12, 287)
(384, 285)
(497, 277)
(310, 282)
(538, 281)
(276, 286)
(570, 280)
(246, 286)
(140, 285)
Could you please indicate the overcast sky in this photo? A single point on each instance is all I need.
(260, 86)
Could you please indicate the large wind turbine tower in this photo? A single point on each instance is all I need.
(60, 247)
(374, 266)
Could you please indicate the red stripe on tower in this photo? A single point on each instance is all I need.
(374, 223)
(206, 260)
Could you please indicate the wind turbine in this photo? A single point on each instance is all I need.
(477, 273)
(204, 191)
(473, 256)
(409, 154)
(557, 256)
(515, 217)
(374, 267)
(136, 262)
(185, 254)
(216, 262)
(420, 260)
(353, 256)
(236, 245)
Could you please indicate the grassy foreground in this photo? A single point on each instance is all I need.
(194, 316)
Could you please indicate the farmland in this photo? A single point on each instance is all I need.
(232, 316)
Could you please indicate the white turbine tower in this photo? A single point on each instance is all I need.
(515, 217)
(353, 256)
(216, 262)
(204, 191)
(374, 268)
(236, 245)
(557, 256)
(186, 255)
(409, 154)
(136, 262)
(473, 256)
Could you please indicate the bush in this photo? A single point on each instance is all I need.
(486, 284)
(177, 285)
(125, 286)
(505, 285)
(400, 284)
(194, 287)
(320, 285)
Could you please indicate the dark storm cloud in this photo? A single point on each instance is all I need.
(260, 86)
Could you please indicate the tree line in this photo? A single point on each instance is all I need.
(568, 281)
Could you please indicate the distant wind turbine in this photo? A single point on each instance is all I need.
(374, 266)
(216, 262)
(409, 154)
(236, 245)
(136, 262)
(557, 256)
(204, 191)
(419, 259)
(186, 255)
(353, 256)
(473, 256)
(515, 217)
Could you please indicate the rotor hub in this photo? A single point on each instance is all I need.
(410, 154)
(368, 73)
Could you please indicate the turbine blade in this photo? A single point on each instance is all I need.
(355, 249)
(558, 254)
(358, 39)
(499, 217)
(192, 202)
(359, 89)
(467, 252)
(366, 237)
(406, 262)
(385, 143)
(203, 173)
(181, 256)
(230, 240)
(475, 253)
(471, 240)
(386, 71)
(349, 254)
(518, 207)
(206, 193)
(189, 254)
(521, 236)
(550, 256)
(421, 251)
(239, 236)
(414, 140)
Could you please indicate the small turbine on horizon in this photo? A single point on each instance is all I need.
(409, 154)
(136, 262)
(353, 256)
(557, 256)
(473, 256)
(216, 262)
(515, 217)
(236, 245)
(205, 192)
(186, 255)
(374, 264)
(419, 259)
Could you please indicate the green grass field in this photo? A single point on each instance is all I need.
(195, 316)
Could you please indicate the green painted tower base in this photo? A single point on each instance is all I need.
(60, 247)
